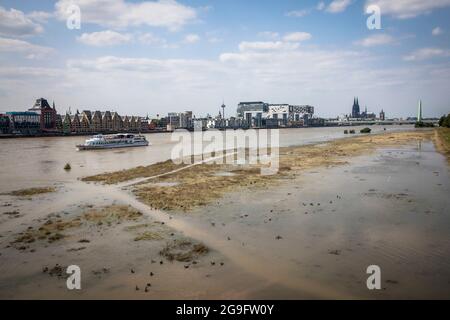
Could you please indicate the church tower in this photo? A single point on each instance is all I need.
(355, 108)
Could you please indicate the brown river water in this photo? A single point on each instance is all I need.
(310, 237)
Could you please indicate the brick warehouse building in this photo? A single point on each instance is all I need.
(47, 114)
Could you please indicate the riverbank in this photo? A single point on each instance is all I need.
(308, 232)
(75, 134)
(170, 188)
(442, 141)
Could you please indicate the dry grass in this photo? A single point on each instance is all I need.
(442, 141)
(149, 231)
(183, 251)
(31, 191)
(130, 174)
(199, 185)
(148, 235)
(53, 229)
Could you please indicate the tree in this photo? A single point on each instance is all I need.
(447, 121)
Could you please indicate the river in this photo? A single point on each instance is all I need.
(32, 162)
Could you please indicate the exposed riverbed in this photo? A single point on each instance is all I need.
(311, 236)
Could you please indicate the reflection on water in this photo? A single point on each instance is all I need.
(37, 161)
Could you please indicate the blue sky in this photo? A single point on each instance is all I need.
(153, 57)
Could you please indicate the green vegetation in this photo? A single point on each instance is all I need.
(421, 124)
(444, 121)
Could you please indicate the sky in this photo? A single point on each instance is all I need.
(155, 57)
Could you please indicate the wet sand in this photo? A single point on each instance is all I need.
(310, 235)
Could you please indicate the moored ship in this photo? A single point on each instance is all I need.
(120, 140)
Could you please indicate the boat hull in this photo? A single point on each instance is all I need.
(82, 147)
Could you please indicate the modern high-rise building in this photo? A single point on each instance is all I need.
(419, 112)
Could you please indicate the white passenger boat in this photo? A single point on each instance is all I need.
(120, 140)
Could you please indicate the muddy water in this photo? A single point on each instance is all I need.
(320, 231)
(40, 161)
(309, 237)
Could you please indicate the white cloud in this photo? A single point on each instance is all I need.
(214, 40)
(150, 39)
(120, 13)
(327, 79)
(31, 51)
(298, 13)
(436, 31)
(297, 36)
(404, 9)
(269, 35)
(191, 38)
(40, 16)
(320, 6)
(427, 53)
(266, 45)
(16, 23)
(337, 6)
(304, 12)
(376, 40)
(104, 38)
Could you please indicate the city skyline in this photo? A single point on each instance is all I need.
(136, 58)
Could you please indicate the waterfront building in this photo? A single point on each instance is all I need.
(67, 123)
(80, 123)
(173, 120)
(126, 123)
(75, 123)
(180, 120)
(117, 123)
(96, 123)
(59, 123)
(289, 115)
(4, 124)
(367, 115)
(24, 122)
(47, 114)
(260, 114)
(382, 115)
(358, 115)
(186, 119)
(252, 107)
(107, 121)
(85, 121)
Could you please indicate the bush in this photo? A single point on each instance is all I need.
(421, 124)
(445, 121)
